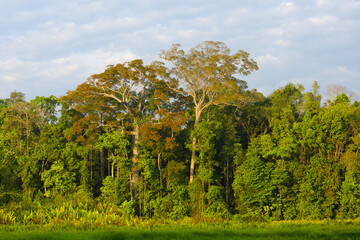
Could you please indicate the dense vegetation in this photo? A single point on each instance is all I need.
(224, 231)
(176, 140)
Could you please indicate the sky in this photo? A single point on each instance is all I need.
(48, 47)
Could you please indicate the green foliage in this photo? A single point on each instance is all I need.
(127, 209)
(123, 145)
(58, 179)
(111, 191)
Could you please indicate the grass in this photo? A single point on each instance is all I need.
(274, 230)
(83, 220)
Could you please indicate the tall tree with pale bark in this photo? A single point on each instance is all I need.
(209, 74)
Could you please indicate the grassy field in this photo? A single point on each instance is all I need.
(288, 230)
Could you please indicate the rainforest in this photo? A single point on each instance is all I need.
(180, 139)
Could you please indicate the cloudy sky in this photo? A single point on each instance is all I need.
(48, 47)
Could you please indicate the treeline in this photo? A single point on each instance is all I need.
(185, 138)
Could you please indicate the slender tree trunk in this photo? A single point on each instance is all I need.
(144, 205)
(27, 142)
(42, 165)
(194, 141)
(108, 167)
(135, 171)
(227, 180)
(42, 171)
(102, 160)
(192, 162)
(91, 166)
(84, 178)
(281, 204)
(130, 176)
(118, 170)
(112, 170)
(159, 167)
(28, 131)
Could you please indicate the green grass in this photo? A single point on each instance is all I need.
(187, 232)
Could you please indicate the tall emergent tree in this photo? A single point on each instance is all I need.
(209, 74)
(128, 86)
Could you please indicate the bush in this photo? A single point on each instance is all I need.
(110, 191)
(127, 209)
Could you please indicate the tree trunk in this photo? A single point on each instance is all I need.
(194, 140)
(131, 190)
(91, 166)
(108, 167)
(227, 180)
(281, 204)
(159, 167)
(112, 169)
(144, 204)
(135, 171)
(192, 162)
(102, 170)
(118, 170)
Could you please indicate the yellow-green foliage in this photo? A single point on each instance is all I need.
(67, 213)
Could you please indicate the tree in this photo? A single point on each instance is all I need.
(335, 90)
(207, 73)
(159, 132)
(91, 113)
(23, 125)
(116, 144)
(311, 100)
(128, 85)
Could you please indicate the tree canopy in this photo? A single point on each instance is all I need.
(125, 140)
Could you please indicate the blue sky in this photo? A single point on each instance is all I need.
(48, 47)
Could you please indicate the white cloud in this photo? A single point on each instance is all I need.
(268, 59)
(9, 64)
(324, 20)
(283, 43)
(351, 6)
(9, 79)
(286, 8)
(162, 37)
(236, 15)
(278, 31)
(341, 74)
(189, 34)
(320, 3)
(58, 74)
(58, 44)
